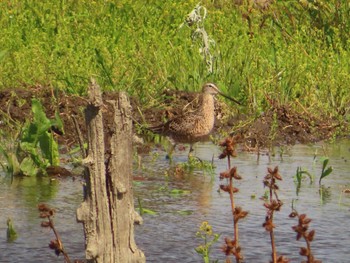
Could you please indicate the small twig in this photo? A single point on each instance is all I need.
(55, 244)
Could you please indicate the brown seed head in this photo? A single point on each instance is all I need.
(304, 251)
(224, 175)
(268, 225)
(43, 207)
(311, 235)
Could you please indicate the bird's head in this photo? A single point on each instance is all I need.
(212, 89)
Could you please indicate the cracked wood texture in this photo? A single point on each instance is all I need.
(107, 212)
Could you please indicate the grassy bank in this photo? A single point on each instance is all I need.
(294, 50)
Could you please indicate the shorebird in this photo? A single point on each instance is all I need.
(193, 126)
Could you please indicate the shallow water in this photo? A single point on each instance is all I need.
(169, 236)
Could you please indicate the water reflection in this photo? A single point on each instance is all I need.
(169, 235)
(19, 201)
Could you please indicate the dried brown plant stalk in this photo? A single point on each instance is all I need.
(302, 230)
(272, 205)
(231, 247)
(55, 244)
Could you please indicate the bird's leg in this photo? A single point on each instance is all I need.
(170, 152)
(191, 150)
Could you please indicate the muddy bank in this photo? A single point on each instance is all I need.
(280, 124)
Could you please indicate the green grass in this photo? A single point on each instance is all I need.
(293, 50)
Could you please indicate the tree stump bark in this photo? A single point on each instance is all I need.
(108, 211)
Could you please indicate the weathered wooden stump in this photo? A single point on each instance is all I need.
(108, 211)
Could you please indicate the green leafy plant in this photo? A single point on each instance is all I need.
(325, 170)
(206, 234)
(299, 177)
(35, 148)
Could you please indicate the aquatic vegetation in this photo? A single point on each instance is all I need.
(35, 149)
(143, 210)
(184, 212)
(300, 174)
(231, 246)
(325, 170)
(209, 237)
(196, 163)
(11, 232)
(273, 204)
(302, 230)
(299, 177)
(176, 192)
(325, 194)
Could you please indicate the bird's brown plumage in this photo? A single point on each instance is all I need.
(192, 126)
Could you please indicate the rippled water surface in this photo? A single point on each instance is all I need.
(170, 234)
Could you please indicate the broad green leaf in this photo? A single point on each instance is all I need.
(30, 134)
(40, 119)
(49, 148)
(28, 167)
(325, 163)
(327, 172)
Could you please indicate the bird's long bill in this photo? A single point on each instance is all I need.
(231, 99)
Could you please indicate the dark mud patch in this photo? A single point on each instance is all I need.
(280, 124)
(283, 125)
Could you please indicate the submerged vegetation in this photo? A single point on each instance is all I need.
(290, 51)
(11, 232)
